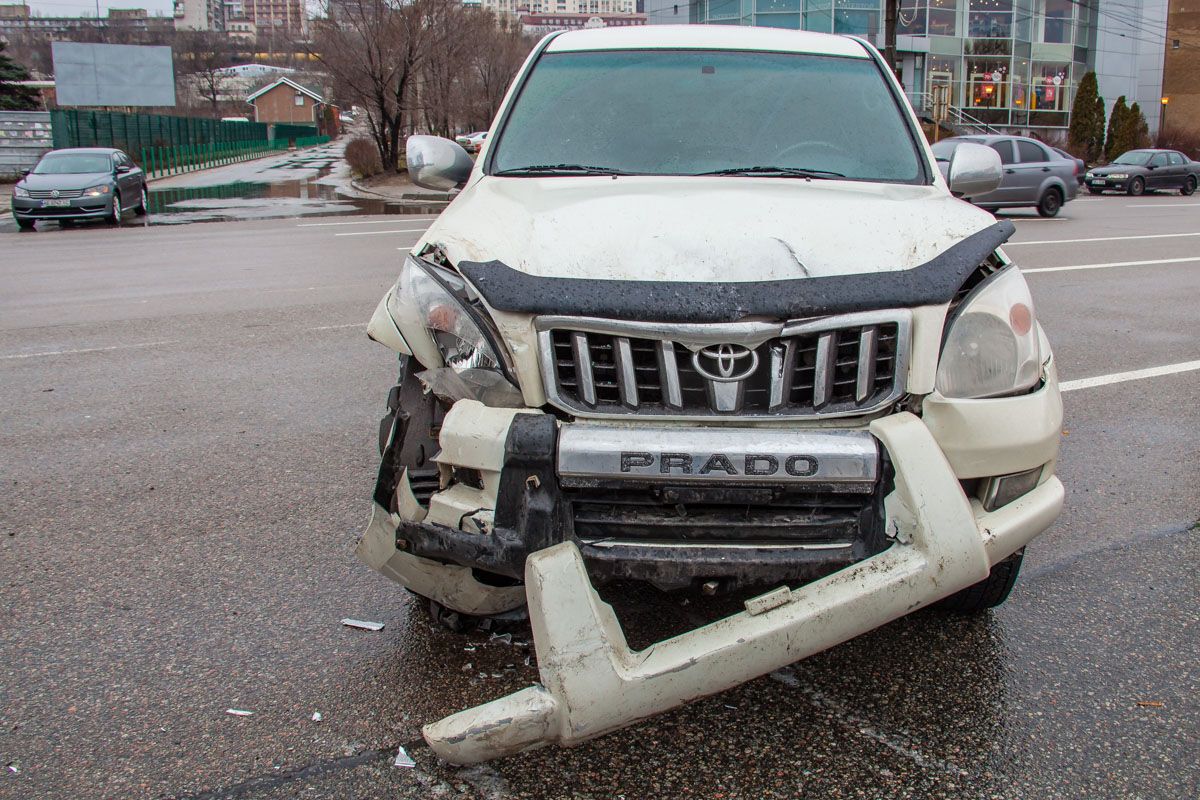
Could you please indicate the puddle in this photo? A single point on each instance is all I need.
(245, 200)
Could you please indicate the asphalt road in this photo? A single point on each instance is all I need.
(187, 448)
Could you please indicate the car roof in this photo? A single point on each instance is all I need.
(998, 137)
(705, 37)
(91, 151)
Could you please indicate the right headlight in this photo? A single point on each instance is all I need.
(991, 344)
(437, 303)
(20, 191)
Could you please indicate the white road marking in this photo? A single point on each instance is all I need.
(87, 350)
(364, 222)
(1036, 219)
(1161, 205)
(362, 325)
(1112, 264)
(1134, 375)
(377, 233)
(1104, 239)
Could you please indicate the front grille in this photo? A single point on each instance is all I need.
(714, 517)
(60, 194)
(834, 367)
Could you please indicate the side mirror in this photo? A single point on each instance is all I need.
(974, 169)
(123, 168)
(437, 163)
(25, 173)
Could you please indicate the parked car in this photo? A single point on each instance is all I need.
(768, 354)
(79, 183)
(1034, 174)
(1080, 164)
(1138, 171)
(471, 142)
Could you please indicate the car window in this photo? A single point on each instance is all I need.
(1005, 149)
(1175, 158)
(690, 112)
(1159, 160)
(1030, 152)
(72, 164)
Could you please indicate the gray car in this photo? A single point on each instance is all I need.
(1034, 174)
(77, 184)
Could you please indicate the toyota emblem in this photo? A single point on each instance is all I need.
(725, 363)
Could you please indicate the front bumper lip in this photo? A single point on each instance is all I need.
(592, 683)
(81, 208)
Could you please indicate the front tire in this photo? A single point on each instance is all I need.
(1050, 203)
(989, 592)
(24, 224)
(141, 206)
(1137, 187)
(1189, 186)
(114, 216)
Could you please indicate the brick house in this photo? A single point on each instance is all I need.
(287, 101)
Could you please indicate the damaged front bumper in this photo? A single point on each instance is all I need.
(938, 542)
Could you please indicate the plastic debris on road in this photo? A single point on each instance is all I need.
(403, 759)
(316, 717)
(502, 637)
(362, 624)
(1150, 703)
(239, 712)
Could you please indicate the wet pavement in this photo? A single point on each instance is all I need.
(306, 183)
(188, 451)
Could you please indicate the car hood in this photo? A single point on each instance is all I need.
(715, 229)
(81, 180)
(1128, 169)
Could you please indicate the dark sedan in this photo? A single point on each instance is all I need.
(1140, 170)
(79, 183)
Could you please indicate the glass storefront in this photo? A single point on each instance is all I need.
(1009, 63)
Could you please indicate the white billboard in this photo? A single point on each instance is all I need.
(113, 75)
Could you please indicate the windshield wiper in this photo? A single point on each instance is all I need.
(788, 172)
(561, 169)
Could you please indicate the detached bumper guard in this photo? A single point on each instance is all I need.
(592, 683)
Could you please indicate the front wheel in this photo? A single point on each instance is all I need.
(1189, 186)
(24, 224)
(140, 210)
(114, 215)
(989, 592)
(1050, 203)
(1137, 187)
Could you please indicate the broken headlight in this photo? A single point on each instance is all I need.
(991, 345)
(450, 335)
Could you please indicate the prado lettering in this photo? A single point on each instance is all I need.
(798, 466)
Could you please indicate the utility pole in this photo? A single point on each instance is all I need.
(891, 12)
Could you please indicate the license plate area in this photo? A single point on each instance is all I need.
(56, 203)
(594, 454)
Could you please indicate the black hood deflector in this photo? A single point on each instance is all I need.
(931, 283)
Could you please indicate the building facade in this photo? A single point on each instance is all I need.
(17, 19)
(1010, 64)
(541, 24)
(200, 15)
(516, 8)
(1180, 110)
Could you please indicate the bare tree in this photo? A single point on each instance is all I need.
(202, 59)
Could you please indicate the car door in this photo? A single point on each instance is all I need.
(127, 180)
(1008, 160)
(1177, 165)
(1030, 171)
(1159, 174)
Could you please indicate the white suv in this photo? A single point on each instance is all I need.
(706, 315)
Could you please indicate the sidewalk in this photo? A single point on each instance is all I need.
(5, 197)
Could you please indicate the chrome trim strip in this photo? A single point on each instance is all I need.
(604, 543)
(692, 336)
(722, 455)
(583, 368)
(626, 375)
(783, 369)
(824, 369)
(868, 349)
(668, 370)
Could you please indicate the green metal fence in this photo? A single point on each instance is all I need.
(133, 132)
(160, 161)
(282, 130)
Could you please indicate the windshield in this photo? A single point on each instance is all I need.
(1136, 158)
(678, 112)
(73, 163)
